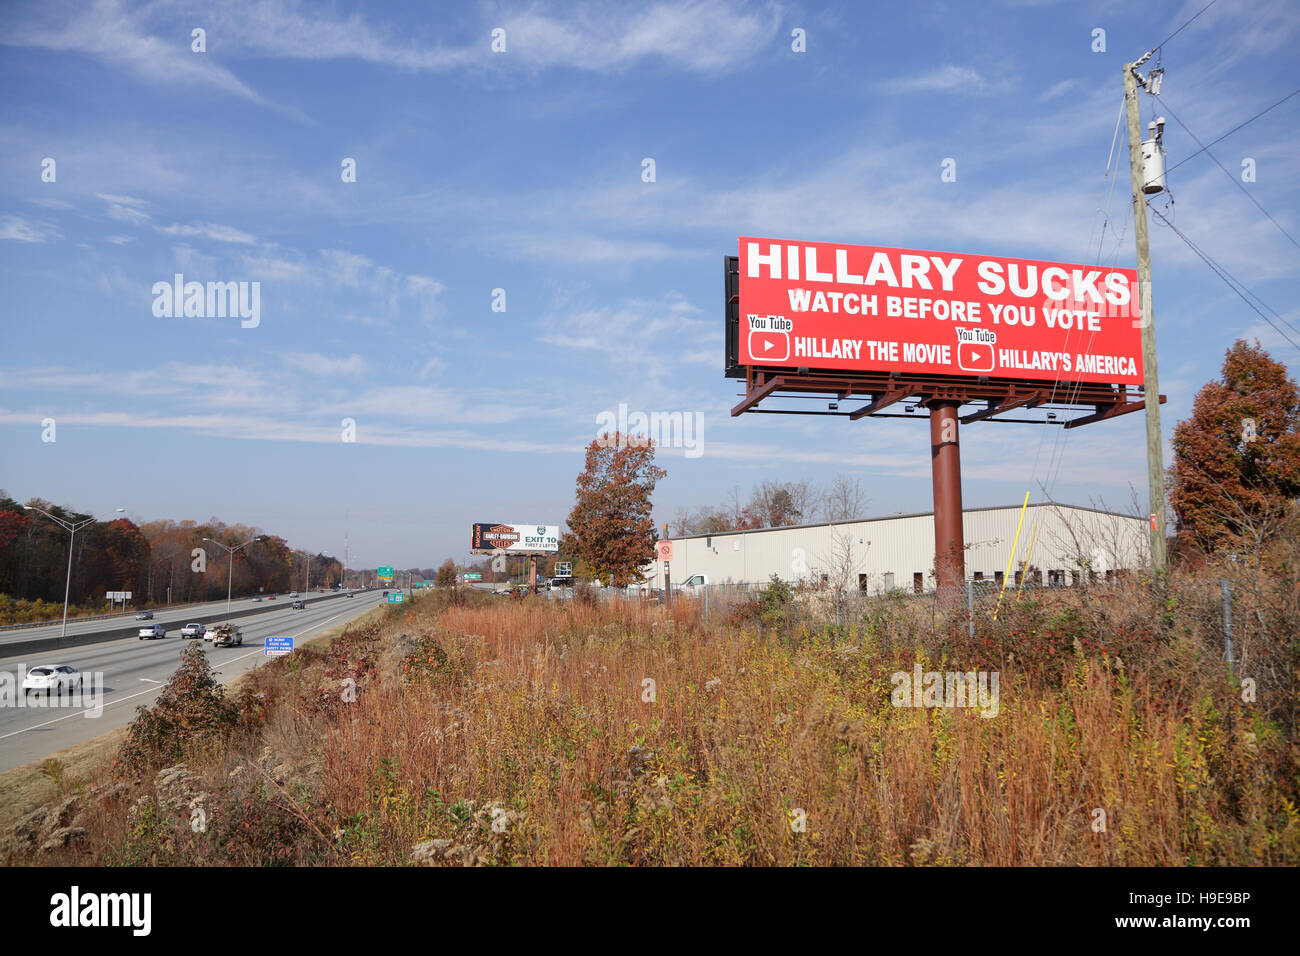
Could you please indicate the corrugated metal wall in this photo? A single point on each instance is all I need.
(891, 551)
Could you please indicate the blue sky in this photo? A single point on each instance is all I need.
(522, 171)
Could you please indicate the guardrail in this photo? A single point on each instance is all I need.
(103, 617)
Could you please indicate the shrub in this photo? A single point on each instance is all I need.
(191, 715)
(774, 603)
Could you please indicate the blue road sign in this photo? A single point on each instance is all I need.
(279, 646)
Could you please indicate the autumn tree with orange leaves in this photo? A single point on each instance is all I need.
(1237, 458)
(610, 527)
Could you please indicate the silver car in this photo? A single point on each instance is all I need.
(144, 616)
(152, 632)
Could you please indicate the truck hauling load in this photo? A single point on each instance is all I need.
(227, 635)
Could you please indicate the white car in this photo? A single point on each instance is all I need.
(192, 630)
(52, 678)
(293, 594)
(152, 631)
(210, 632)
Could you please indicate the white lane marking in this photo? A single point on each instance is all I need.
(151, 690)
(152, 681)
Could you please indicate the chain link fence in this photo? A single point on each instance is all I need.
(983, 603)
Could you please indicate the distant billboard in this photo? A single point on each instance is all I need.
(832, 306)
(490, 538)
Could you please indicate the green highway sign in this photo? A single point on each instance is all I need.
(396, 597)
(384, 574)
(473, 575)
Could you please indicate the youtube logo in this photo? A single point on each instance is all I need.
(766, 345)
(975, 356)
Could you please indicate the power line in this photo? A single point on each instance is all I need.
(1231, 131)
(1061, 439)
(1233, 283)
(1233, 178)
(1184, 26)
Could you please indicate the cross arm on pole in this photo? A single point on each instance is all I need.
(997, 408)
(882, 401)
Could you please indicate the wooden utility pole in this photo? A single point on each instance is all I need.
(1150, 375)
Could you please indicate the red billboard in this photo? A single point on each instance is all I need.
(872, 308)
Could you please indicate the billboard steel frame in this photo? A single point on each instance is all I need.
(942, 395)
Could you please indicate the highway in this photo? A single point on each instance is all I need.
(133, 671)
(173, 620)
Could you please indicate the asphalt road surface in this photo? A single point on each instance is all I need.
(133, 671)
(172, 620)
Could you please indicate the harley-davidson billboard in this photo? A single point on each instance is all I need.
(514, 538)
(821, 305)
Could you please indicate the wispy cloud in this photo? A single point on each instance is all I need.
(152, 41)
(25, 230)
(207, 230)
(125, 208)
(630, 340)
(1059, 88)
(326, 366)
(943, 79)
(112, 32)
(589, 249)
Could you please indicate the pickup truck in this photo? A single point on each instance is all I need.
(152, 631)
(192, 630)
(693, 585)
(227, 635)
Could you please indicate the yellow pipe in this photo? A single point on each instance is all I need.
(1012, 557)
(1028, 557)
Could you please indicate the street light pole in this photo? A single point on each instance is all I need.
(306, 581)
(73, 527)
(230, 572)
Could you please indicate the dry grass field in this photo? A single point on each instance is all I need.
(470, 730)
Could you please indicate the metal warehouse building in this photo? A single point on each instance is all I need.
(880, 554)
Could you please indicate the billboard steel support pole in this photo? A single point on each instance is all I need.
(945, 465)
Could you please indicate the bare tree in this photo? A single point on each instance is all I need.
(683, 522)
(842, 562)
(844, 500)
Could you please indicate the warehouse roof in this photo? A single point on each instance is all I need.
(896, 517)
